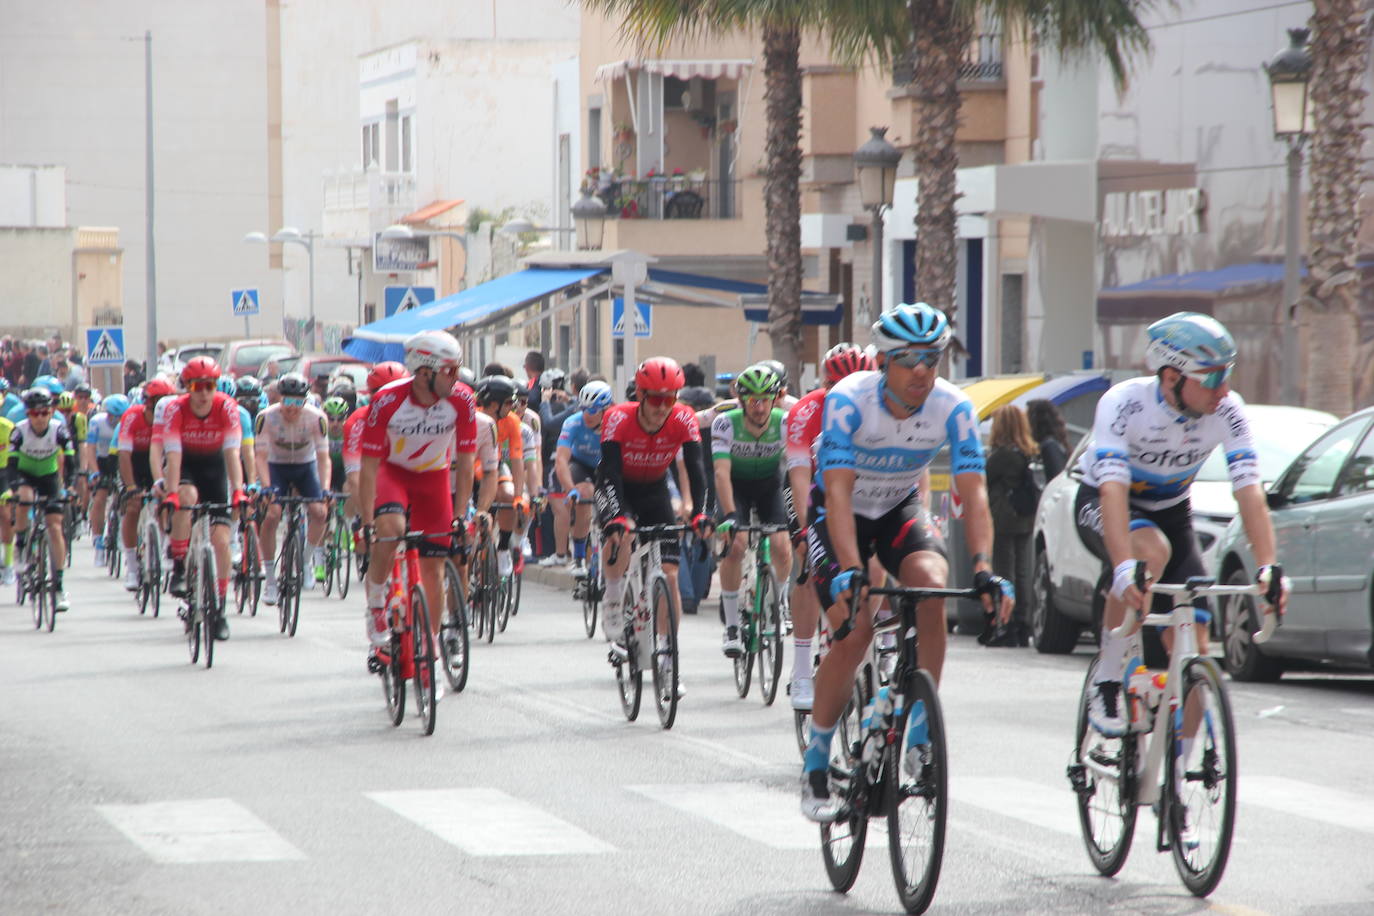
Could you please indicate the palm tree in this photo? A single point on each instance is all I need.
(1340, 53)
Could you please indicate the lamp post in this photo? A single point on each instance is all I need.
(292, 235)
(589, 216)
(1289, 73)
(876, 163)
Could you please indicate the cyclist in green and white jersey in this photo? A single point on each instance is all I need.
(41, 459)
(747, 451)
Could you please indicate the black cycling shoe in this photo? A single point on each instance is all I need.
(178, 584)
(221, 629)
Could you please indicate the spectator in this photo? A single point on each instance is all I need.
(31, 360)
(694, 391)
(53, 348)
(534, 368)
(14, 363)
(75, 358)
(69, 375)
(1011, 449)
(1050, 434)
(133, 375)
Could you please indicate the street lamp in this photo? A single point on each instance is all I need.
(1289, 75)
(876, 163)
(292, 235)
(589, 215)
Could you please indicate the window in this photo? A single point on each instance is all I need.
(1359, 473)
(406, 142)
(393, 145)
(1313, 475)
(593, 137)
(371, 136)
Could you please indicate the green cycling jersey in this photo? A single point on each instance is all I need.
(751, 457)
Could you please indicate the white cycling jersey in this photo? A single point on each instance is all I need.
(888, 454)
(298, 441)
(1139, 440)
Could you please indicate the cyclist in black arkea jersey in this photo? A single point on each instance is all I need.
(41, 460)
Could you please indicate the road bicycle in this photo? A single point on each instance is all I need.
(760, 614)
(248, 572)
(590, 586)
(1180, 722)
(203, 606)
(115, 501)
(888, 758)
(150, 546)
(486, 595)
(291, 563)
(409, 655)
(453, 629)
(338, 547)
(38, 582)
(510, 582)
(650, 631)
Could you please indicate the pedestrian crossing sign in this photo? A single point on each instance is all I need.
(244, 301)
(405, 298)
(643, 319)
(105, 346)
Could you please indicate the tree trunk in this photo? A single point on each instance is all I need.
(1340, 48)
(941, 36)
(782, 194)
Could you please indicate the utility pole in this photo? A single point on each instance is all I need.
(148, 182)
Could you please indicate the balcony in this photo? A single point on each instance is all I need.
(982, 62)
(356, 204)
(670, 198)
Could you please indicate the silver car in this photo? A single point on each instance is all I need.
(1323, 512)
(1066, 574)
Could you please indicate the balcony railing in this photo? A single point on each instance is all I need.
(670, 198)
(982, 61)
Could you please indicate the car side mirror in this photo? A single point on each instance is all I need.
(1275, 499)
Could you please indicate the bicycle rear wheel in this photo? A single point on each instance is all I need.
(918, 798)
(505, 600)
(1205, 791)
(426, 687)
(331, 554)
(743, 664)
(591, 599)
(665, 652)
(1103, 774)
(768, 626)
(191, 618)
(393, 683)
(47, 600)
(152, 551)
(453, 634)
(209, 602)
(842, 843)
(630, 682)
(343, 567)
(252, 559)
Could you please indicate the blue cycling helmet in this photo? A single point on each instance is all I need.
(1191, 343)
(595, 396)
(4, 384)
(50, 383)
(115, 405)
(226, 385)
(918, 325)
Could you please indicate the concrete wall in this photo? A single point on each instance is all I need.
(33, 195)
(36, 284)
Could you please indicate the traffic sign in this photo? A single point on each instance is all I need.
(244, 301)
(644, 319)
(105, 346)
(405, 298)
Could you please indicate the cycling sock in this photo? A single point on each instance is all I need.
(179, 549)
(21, 540)
(376, 594)
(503, 541)
(918, 731)
(99, 540)
(817, 754)
(729, 601)
(579, 548)
(270, 570)
(1111, 658)
(57, 580)
(130, 557)
(223, 586)
(801, 657)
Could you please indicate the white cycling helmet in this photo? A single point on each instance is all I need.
(1191, 343)
(918, 325)
(595, 396)
(432, 350)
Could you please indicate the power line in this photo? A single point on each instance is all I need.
(1257, 9)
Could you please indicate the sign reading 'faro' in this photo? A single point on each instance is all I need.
(1138, 213)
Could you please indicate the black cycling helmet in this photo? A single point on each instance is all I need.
(498, 388)
(82, 390)
(37, 399)
(778, 369)
(467, 376)
(248, 387)
(293, 385)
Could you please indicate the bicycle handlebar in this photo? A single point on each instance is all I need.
(906, 593)
(1204, 586)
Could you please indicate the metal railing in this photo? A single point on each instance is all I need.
(982, 61)
(670, 198)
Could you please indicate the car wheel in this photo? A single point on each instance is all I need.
(1244, 660)
(1054, 634)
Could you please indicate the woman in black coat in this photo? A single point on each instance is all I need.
(1012, 505)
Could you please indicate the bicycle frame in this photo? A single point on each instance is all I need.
(646, 564)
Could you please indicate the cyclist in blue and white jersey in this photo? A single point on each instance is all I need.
(100, 458)
(9, 401)
(575, 460)
(879, 432)
(1151, 435)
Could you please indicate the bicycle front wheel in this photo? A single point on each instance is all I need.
(152, 551)
(331, 554)
(289, 601)
(1201, 780)
(1103, 774)
(426, 687)
(842, 843)
(591, 598)
(453, 635)
(768, 626)
(343, 567)
(665, 653)
(491, 590)
(47, 600)
(918, 796)
(209, 601)
(393, 683)
(192, 619)
(744, 662)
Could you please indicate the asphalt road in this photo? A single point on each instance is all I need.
(133, 782)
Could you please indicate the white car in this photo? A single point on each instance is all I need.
(1066, 575)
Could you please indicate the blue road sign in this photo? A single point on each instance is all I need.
(405, 298)
(105, 346)
(644, 319)
(244, 301)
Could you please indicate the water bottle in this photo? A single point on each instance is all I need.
(874, 714)
(1139, 697)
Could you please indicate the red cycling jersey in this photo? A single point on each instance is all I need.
(419, 438)
(135, 431)
(646, 457)
(183, 431)
(353, 439)
(803, 427)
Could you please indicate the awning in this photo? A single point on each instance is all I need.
(382, 340)
(1065, 388)
(988, 394)
(1195, 291)
(817, 308)
(682, 69)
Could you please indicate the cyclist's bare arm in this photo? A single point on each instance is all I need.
(973, 492)
(800, 478)
(562, 468)
(367, 488)
(1116, 520)
(486, 494)
(924, 488)
(249, 452)
(839, 518)
(126, 469)
(725, 494)
(234, 465)
(462, 490)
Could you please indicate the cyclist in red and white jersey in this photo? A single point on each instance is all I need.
(200, 439)
(416, 428)
(381, 375)
(135, 468)
(639, 443)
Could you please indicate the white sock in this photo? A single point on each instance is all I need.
(130, 557)
(271, 569)
(376, 594)
(801, 658)
(615, 589)
(1112, 656)
(729, 601)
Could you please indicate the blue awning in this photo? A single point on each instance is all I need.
(382, 340)
(817, 308)
(1065, 388)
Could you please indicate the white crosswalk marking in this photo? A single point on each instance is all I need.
(488, 822)
(1305, 799)
(200, 830)
(764, 815)
(1032, 802)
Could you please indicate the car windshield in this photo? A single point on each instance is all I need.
(357, 372)
(253, 356)
(1276, 443)
(186, 354)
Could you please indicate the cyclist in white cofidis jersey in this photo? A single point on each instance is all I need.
(879, 433)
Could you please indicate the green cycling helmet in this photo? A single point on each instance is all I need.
(336, 408)
(758, 381)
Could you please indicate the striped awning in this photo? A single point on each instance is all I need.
(682, 69)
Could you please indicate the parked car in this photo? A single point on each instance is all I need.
(175, 360)
(1323, 512)
(244, 357)
(1066, 574)
(315, 365)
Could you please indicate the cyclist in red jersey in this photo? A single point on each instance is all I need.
(200, 440)
(381, 375)
(639, 442)
(416, 427)
(135, 469)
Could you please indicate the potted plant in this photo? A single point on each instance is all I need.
(727, 126)
(624, 132)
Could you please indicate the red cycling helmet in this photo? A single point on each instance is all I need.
(659, 373)
(842, 359)
(199, 367)
(384, 374)
(157, 388)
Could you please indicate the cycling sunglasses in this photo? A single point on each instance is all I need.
(912, 357)
(293, 402)
(660, 398)
(1213, 378)
(40, 412)
(201, 384)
